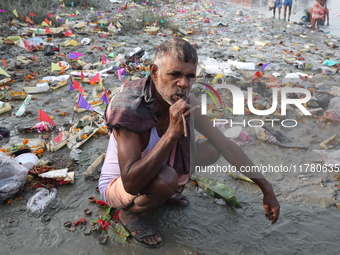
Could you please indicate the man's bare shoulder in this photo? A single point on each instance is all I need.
(131, 141)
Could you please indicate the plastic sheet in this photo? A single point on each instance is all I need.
(331, 157)
(12, 176)
(334, 103)
(41, 201)
(211, 66)
(332, 115)
(36, 41)
(242, 65)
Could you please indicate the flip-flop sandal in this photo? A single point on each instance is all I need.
(142, 225)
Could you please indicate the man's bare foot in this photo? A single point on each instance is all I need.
(179, 200)
(140, 229)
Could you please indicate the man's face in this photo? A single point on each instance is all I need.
(174, 79)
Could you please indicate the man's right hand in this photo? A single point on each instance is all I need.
(176, 125)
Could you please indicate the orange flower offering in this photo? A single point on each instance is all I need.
(95, 102)
(25, 141)
(40, 151)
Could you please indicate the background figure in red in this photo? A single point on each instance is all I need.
(319, 13)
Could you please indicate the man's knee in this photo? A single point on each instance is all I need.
(206, 153)
(165, 184)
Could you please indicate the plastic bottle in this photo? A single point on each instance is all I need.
(24, 105)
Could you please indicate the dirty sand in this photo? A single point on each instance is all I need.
(309, 221)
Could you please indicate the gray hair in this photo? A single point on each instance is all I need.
(177, 48)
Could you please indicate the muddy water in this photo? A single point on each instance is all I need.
(204, 227)
(261, 6)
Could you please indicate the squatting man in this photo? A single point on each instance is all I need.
(152, 149)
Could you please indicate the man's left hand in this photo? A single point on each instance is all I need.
(271, 206)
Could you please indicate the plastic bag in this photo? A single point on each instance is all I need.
(49, 50)
(4, 135)
(12, 176)
(294, 11)
(75, 154)
(332, 157)
(242, 65)
(41, 201)
(36, 41)
(271, 5)
(326, 70)
(334, 103)
(211, 66)
(332, 115)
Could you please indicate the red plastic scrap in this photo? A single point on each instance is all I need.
(115, 216)
(81, 221)
(258, 74)
(101, 203)
(104, 224)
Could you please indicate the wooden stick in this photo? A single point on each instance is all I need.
(185, 126)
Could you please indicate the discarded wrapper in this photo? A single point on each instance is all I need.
(312, 111)
(330, 142)
(5, 107)
(90, 172)
(60, 174)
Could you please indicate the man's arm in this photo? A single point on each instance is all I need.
(137, 172)
(235, 156)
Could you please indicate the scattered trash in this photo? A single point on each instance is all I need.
(41, 201)
(5, 107)
(256, 55)
(216, 190)
(242, 65)
(332, 115)
(92, 172)
(12, 176)
(4, 134)
(332, 157)
(233, 132)
(330, 142)
(264, 135)
(28, 160)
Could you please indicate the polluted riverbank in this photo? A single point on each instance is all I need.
(244, 49)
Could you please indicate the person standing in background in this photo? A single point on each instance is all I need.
(289, 4)
(320, 12)
(278, 4)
